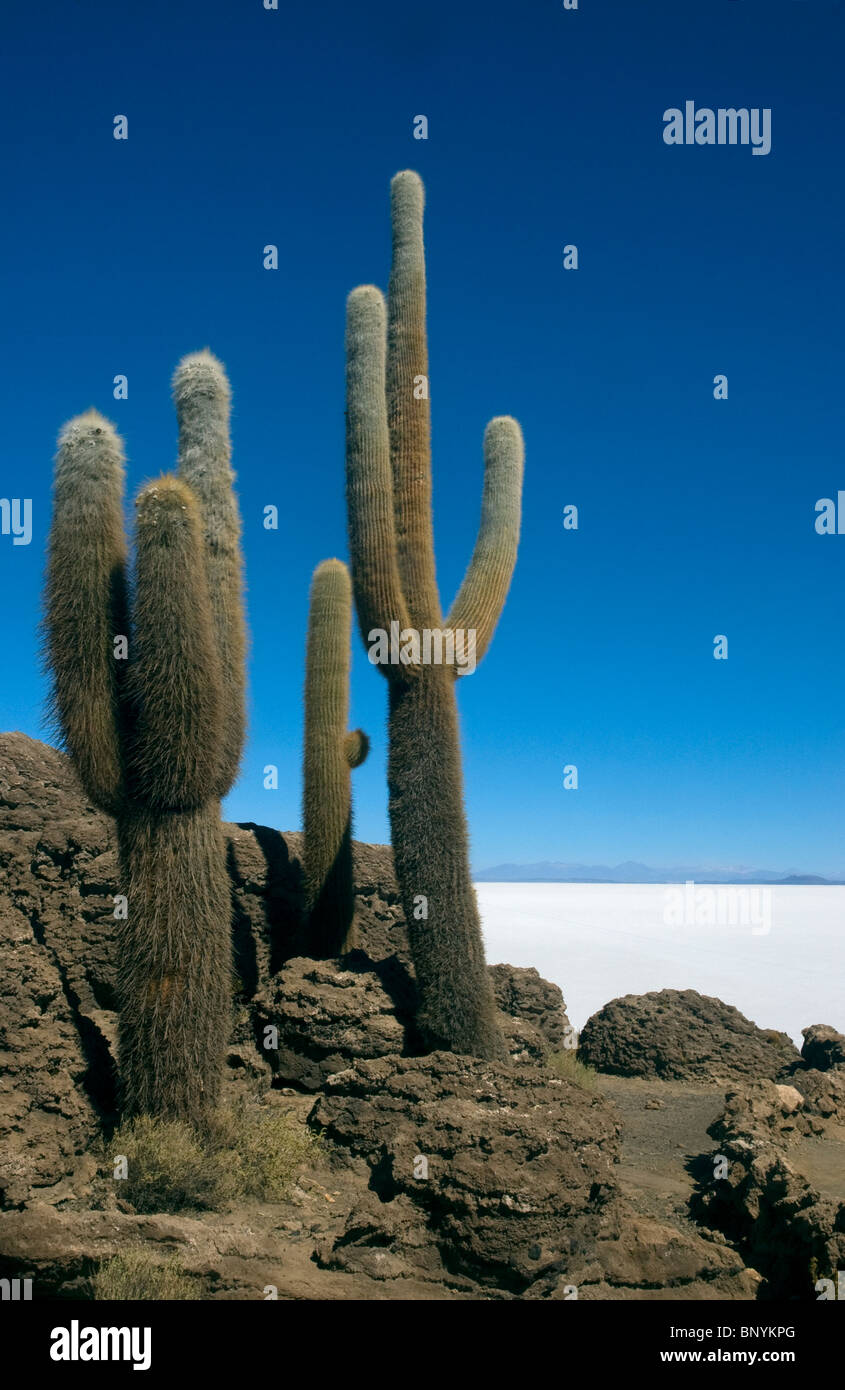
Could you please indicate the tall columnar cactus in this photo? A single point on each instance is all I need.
(150, 704)
(391, 544)
(330, 754)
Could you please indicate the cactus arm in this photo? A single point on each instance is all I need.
(328, 759)
(481, 597)
(175, 679)
(202, 395)
(326, 710)
(356, 746)
(379, 597)
(86, 603)
(409, 417)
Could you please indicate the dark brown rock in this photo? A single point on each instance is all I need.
(506, 1178)
(512, 1168)
(761, 1112)
(782, 1225)
(47, 1119)
(524, 994)
(324, 1014)
(823, 1047)
(823, 1092)
(681, 1035)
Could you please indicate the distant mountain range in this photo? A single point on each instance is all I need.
(631, 872)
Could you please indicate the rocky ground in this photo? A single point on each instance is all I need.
(534, 1185)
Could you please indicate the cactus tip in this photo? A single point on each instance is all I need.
(165, 494)
(407, 180)
(504, 424)
(200, 373)
(365, 308)
(331, 566)
(407, 199)
(86, 426)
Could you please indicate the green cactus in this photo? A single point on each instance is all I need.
(330, 753)
(150, 705)
(202, 397)
(393, 572)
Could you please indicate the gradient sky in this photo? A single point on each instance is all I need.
(248, 127)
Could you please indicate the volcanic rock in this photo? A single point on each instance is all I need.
(681, 1035)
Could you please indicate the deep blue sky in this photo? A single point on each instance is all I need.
(696, 517)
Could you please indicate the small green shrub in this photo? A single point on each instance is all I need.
(243, 1152)
(135, 1273)
(169, 1166)
(566, 1065)
(262, 1150)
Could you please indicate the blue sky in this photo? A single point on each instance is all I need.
(249, 127)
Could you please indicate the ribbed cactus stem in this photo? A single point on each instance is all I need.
(330, 753)
(408, 410)
(174, 962)
(86, 603)
(175, 679)
(482, 595)
(203, 398)
(392, 552)
(379, 594)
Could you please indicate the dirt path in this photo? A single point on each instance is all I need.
(659, 1142)
(822, 1161)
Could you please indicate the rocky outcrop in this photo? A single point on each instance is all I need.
(785, 1228)
(819, 1076)
(58, 867)
(823, 1048)
(313, 1018)
(823, 1093)
(254, 1254)
(524, 994)
(761, 1112)
(681, 1035)
(517, 1195)
(46, 1115)
(506, 1165)
(504, 1178)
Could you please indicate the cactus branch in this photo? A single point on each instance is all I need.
(356, 746)
(86, 604)
(409, 414)
(175, 678)
(379, 598)
(202, 395)
(482, 594)
(330, 753)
